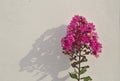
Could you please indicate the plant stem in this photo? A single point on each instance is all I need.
(79, 68)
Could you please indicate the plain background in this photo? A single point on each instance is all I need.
(30, 32)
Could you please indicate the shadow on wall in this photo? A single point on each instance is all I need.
(46, 55)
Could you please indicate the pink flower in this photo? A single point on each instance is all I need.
(71, 28)
(76, 18)
(93, 36)
(96, 47)
(66, 44)
(70, 36)
(91, 27)
(85, 39)
(83, 20)
(83, 28)
(68, 41)
(80, 32)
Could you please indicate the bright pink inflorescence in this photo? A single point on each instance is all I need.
(80, 32)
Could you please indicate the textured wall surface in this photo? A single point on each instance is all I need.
(30, 32)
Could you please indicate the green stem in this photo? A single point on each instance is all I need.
(79, 68)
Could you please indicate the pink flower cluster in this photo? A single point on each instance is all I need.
(80, 32)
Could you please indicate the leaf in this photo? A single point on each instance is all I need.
(88, 78)
(73, 75)
(75, 71)
(83, 70)
(74, 64)
(85, 66)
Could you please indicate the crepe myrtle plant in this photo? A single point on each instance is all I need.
(80, 40)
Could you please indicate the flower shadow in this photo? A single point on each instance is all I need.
(46, 56)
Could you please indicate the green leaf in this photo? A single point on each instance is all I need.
(74, 64)
(88, 78)
(83, 70)
(73, 75)
(85, 66)
(75, 71)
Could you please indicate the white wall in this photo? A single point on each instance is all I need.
(30, 32)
